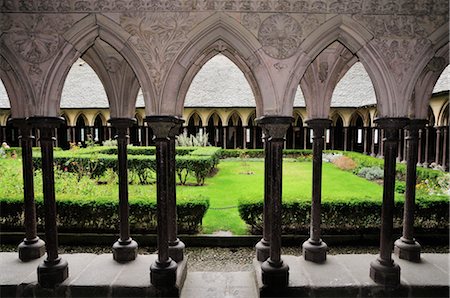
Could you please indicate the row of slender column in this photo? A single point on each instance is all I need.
(383, 270)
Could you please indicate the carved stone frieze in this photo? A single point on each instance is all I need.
(4, 65)
(280, 36)
(401, 26)
(405, 7)
(112, 64)
(400, 54)
(157, 38)
(251, 21)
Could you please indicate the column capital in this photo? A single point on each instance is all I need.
(164, 126)
(274, 127)
(319, 123)
(45, 121)
(416, 124)
(20, 123)
(122, 122)
(391, 127)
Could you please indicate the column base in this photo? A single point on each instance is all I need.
(176, 251)
(163, 274)
(31, 249)
(125, 251)
(51, 274)
(262, 250)
(315, 252)
(385, 274)
(275, 275)
(407, 250)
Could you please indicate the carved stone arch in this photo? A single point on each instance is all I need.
(20, 93)
(236, 115)
(78, 39)
(355, 115)
(424, 84)
(219, 33)
(102, 117)
(139, 119)
(249, 120)
(298, 116)
(212, 113)
(442, 119)
(335, 116)
(354, 37)
(193, 114)
(83, 116)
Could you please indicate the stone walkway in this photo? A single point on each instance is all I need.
(341, 276)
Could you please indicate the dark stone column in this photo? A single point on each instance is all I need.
(437, 158)
(263, 246)
(163, 271)
(53, 270)
(383, 270)
(427, 135)
(125, 248)
(314, 249)
(419, 152)
(32, 247)
(365, 139)
(372, 145)
(345, 138)
(444, 148)
(275, 273)
(406, 247)
(176, 247)
(381, 142)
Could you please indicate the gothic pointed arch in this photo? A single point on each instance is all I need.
(81, 36)
(220, 33)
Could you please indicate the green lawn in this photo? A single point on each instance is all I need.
(236, 179)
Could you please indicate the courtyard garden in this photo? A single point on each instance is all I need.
(218, 191)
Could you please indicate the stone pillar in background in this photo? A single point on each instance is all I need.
(345, 138)
(53, 270)
(419, 152)
(163, 270)
(427, 136)
(314, 249)
(32, 247)
(124, 249)
(437, 158)
(263, 246)
(275, 273)
(406, 247)
(372, 145)
(176, 247)
(383, 270)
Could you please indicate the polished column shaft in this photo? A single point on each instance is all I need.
(54, 270)
(275, 273)
(406, 247)
(124, 249)
(384, 270)
(314, 249)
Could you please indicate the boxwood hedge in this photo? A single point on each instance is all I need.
(100, 214)
(348, 216)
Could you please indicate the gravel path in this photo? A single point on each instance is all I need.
(228, 259)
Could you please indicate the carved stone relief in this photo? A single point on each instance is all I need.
(400, 54)
(280, 36)
(157, 38)
(112, 64)
(4, 65)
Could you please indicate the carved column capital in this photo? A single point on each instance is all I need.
(122, 125)
(391, 127)
(46, 125)
(164, 126)
(24, 126)
(318, 125)
(414, 126)
(274, 127)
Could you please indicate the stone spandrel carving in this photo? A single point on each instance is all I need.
(409, 7)
(280, 36)
(401, 26)
(4, 65)
(401, 54)
(158, 38)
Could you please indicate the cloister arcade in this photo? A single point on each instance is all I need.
(278, 45)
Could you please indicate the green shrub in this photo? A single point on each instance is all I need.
(348, 216)
(371, 173)
(100, 214)
(259, 153)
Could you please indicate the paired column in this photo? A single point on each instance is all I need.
(176, 247)
(314, 249)
(124, 249)
(406, 247)
(383, 270)
(275, 273)
(32, 247)
(163, 270)
(53, 270)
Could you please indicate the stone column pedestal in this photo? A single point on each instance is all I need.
(163, 271)
(383, 270)
(407, 247)
(53, 270)
(275, 273)
(314, 249)
(125, 248)
(32, 247)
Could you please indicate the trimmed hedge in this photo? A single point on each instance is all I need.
(94, 162)
(259, 153)
(81, 214)
(349, 216)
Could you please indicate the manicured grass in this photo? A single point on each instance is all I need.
(235, 180)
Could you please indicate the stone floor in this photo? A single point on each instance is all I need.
(341, 276)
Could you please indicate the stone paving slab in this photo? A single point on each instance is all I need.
(220, 284)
